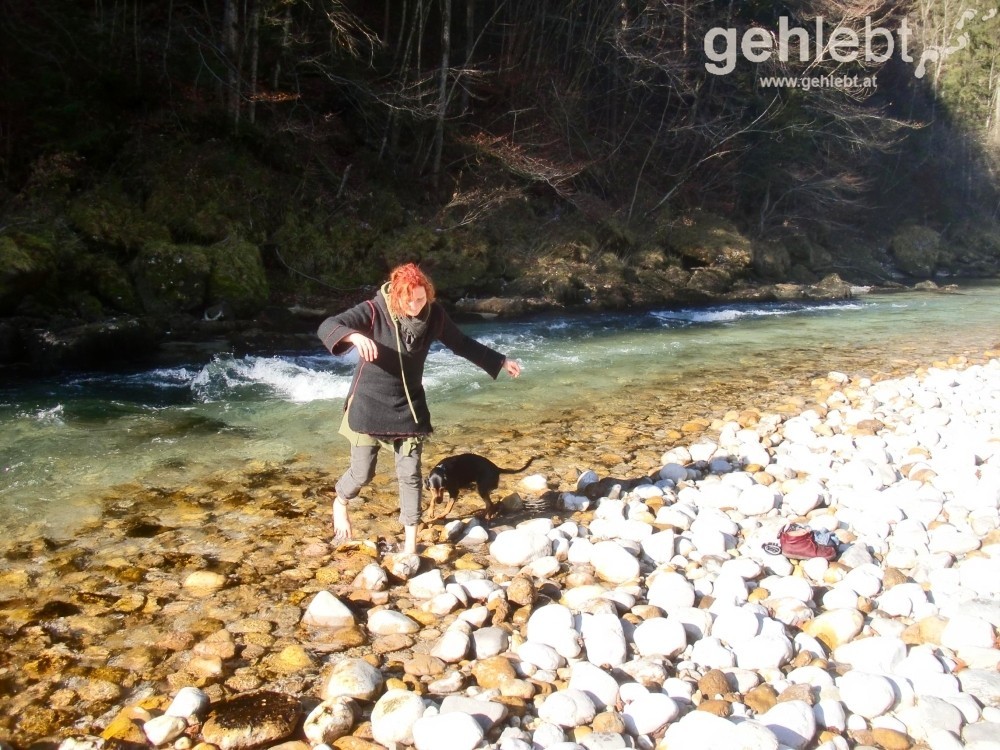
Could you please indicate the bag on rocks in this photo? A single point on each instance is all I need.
(799, 542)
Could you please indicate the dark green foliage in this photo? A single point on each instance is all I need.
(580, 139)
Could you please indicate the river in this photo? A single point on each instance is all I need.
(67, 441)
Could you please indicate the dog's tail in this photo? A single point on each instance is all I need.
(516, 471)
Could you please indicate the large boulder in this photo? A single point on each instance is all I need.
(237, 278)
(704, 239)
(771, 259)
(830, 289)
(973, 248)
(109, 282)
(26, 263)
(917, 250)
(171, 278)
(107, 217)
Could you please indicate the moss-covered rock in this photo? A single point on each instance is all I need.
(972, 248)
(207, 192)
(316, 256)
(771, 259)
(109, 282)
(710, 282)
(27, 261)
(704, 239)
(916, 250)
(237, 277)
(106, 216)
(458, 262)
(171, 278)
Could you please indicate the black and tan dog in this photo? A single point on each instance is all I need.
(465, 470)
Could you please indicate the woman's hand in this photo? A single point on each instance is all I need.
(367, 349)
(512, 367)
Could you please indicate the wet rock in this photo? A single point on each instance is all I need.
(352, 678)
(251, 720)
(329, 721)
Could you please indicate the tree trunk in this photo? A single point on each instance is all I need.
(470, 12)
(254, 59)
(442, 91)
(230, 47)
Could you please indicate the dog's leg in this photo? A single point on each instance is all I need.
(491, 509)
(451, 504)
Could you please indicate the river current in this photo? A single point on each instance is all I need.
(65, 442)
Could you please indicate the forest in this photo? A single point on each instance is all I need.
(161, 156)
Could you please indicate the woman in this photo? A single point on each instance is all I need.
(386, 406)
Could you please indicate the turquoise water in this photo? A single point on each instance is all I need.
(64, 442)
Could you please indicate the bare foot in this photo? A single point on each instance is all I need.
(342, 530)
(410, 539)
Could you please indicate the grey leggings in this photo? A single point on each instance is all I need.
(362, 469)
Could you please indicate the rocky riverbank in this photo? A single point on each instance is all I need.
(636, 610)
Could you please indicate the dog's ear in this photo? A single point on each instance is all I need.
(427, 482)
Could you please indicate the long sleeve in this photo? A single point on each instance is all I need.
(333, 330)
(482, 356)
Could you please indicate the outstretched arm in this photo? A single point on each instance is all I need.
(512, 367)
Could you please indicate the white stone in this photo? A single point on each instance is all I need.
(541, 655)
(452, 646)
(736, 624)
(877, 654)
(567, 708)
(204, 583)
(612, 563)
(700, 730)
(353, 678)
(930, 715)
(189, 701)
(490, 641)
(712, 654)
(474, 536)
(426, 585)
(967, 630)
(868, 695)
(649, 713)
(597, 683)
(792, 722)
(534, 483)
(329, 721)
(390, 622)
(449, 731)
(327, 611)
(984, 684)
(546, 621)
(402, 565)
(164, 729)
(757, 500)
(830, 714)
(603, 639)
(517, 548)
(766, 651)
(659, 636)
(372, 578)
(669, 591)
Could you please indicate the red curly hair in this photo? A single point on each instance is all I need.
(402, 281)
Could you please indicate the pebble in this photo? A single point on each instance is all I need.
(394, 715)
(447, 731)
(327, 611)
(352, 678)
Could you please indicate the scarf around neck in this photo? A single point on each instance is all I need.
(412, 330)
